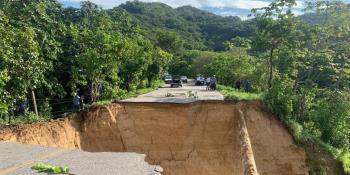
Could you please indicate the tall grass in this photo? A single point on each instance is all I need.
(237, 95)
(134, 93)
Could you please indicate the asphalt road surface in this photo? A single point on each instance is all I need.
(17, 159)
(166, 94)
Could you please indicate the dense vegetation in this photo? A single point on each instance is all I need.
(53, 52)
(308, 72)
(298, 65)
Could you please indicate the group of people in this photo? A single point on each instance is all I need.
(78, 102)
(245, 84)
(239, 84)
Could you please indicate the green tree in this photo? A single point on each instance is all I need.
(238, 42)
(25, 67)
(4, 55)
(159, 65)
(228, 68)
(98, 60)
(169, 41)
(275, 26)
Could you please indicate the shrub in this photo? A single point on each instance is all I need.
(230, 93)
(279, 98)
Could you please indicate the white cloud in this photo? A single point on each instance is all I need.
(300, 5)
(242, 4)
(246, 4)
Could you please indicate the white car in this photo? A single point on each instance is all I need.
(168, 79)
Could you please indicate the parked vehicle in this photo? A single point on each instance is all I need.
(176, 81)
(200, 81)
(184, 79)
(168, 79)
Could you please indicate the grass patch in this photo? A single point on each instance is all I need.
(29, 117)
(133, 93)
(345, 158)
(138, 92)
(237, 95)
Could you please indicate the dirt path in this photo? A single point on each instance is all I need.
(178, 95)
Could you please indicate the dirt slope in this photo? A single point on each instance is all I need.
(193, 139)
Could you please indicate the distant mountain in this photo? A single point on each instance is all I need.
(228, 11)
(314, 18)
(200, 29)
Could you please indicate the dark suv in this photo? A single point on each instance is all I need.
(184, 79)
(200, 81)
(176, 81)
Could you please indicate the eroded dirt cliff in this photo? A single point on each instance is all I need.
(194, 139)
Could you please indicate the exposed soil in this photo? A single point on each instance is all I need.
(185, 139)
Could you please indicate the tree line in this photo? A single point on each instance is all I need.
(307, 72)
(51, 52)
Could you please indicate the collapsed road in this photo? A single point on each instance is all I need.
(195, 137)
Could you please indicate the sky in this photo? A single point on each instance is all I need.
(239, 8)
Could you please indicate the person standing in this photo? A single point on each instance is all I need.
(76, 102)
(247, 86)
(238, 84)
(23, 107)
(213, 83)
(82, 102)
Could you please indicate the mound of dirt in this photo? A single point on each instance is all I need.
(185, 139)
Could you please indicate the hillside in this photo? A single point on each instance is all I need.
(56, 60)
(200, 29)
(315, 18)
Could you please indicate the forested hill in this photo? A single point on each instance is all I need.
(315, 18)
(199, 29)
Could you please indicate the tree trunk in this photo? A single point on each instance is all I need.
(128, 82)
(249, 166)
(270, 68)
(10, 116)
(149, 82)
(34, 103)
(92, 92)
(127, 86)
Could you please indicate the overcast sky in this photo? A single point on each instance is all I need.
(239, 8)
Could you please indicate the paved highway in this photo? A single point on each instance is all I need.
(178, 95)
(17, 159)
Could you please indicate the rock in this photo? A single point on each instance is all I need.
(158, 169)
